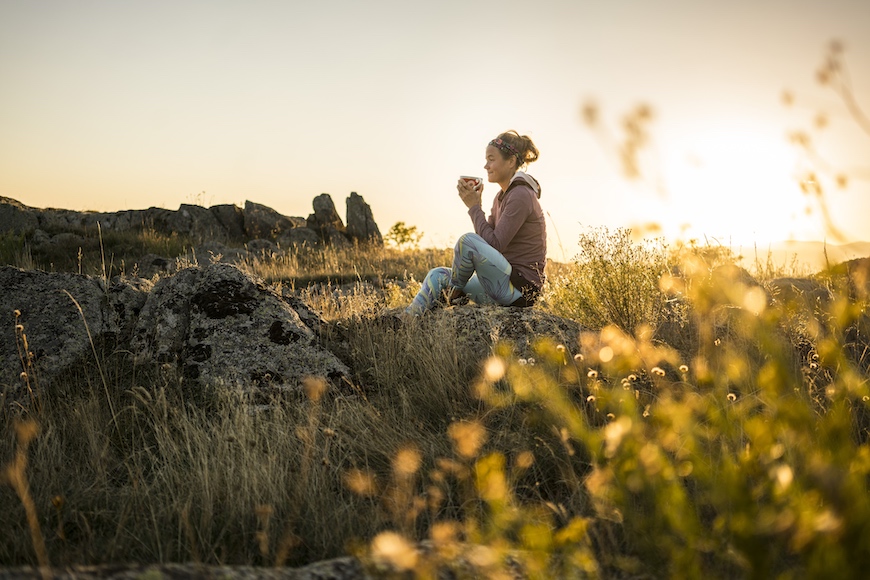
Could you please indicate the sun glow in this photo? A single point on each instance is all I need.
(739, 183)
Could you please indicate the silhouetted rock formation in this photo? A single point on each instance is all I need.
(224, 223)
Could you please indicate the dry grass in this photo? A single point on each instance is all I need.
(632, 452)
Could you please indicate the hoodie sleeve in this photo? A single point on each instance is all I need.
(516, 209)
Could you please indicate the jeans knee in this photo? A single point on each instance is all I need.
(464, 240)
(441, 272)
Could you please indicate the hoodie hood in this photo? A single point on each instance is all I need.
(528, 180)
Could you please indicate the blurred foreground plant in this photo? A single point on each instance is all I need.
(730, 462)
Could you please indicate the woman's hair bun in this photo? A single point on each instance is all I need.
(528, 153)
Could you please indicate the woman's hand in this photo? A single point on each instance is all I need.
(470, 194)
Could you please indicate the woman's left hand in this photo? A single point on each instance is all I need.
(470, 194)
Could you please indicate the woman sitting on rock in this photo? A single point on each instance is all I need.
(502, 262)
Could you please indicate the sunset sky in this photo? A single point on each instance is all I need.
(109, 105)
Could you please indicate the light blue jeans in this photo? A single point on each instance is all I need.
(478, 269)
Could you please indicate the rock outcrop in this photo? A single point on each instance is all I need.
(61, 315)
(216, 324)
(360, 221)
(225, 223)
(220, 326)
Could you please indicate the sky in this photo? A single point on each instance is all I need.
(109, 105)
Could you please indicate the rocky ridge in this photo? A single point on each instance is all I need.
(225, 223)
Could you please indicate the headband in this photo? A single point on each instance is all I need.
(503, 145)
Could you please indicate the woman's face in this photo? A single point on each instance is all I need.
(498, 169)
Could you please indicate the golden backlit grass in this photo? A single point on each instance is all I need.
(698, 429)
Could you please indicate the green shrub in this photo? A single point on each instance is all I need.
(613, 280)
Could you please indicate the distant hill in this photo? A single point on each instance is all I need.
(804, 257)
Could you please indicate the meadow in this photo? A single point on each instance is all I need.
(700, 425)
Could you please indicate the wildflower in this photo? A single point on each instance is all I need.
(560, 347)
(525, 460)
(494, 369)
(658, 371)
(784, 476)
(407, 461)
(590, 399)
(578, 357)
(732, 397)
(632, 377)
(614, 433)
(467, 436)
(531, 361)
(389, 548)
(684, 369)
(522, 362)
(314, 387)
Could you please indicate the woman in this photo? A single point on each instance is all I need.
(502, 262)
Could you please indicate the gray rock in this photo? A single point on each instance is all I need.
(335, 237)
(67, 240)
(262, 247)
(222, 327)
(264, 222)
(55, 329)
(232, 219)
(475, 329)
(326, 221)
(298, 237)
(151, 265)
(360, 221)
(39, 237)
(15, 217)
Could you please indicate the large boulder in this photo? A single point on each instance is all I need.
(223, 327)
(15, 217)
(232, 219)
(476, 329)
(63, 317)
(326, 222)
(299, 237)
(264, 222)
(360, 221)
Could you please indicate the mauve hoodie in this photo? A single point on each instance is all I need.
(516, 227)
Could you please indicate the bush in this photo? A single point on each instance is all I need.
(613, 280)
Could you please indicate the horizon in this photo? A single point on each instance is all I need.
(799, 256)
(111, 107)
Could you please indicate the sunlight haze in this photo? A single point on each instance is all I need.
(125, 105)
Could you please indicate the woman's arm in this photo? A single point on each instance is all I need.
(516, 210)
